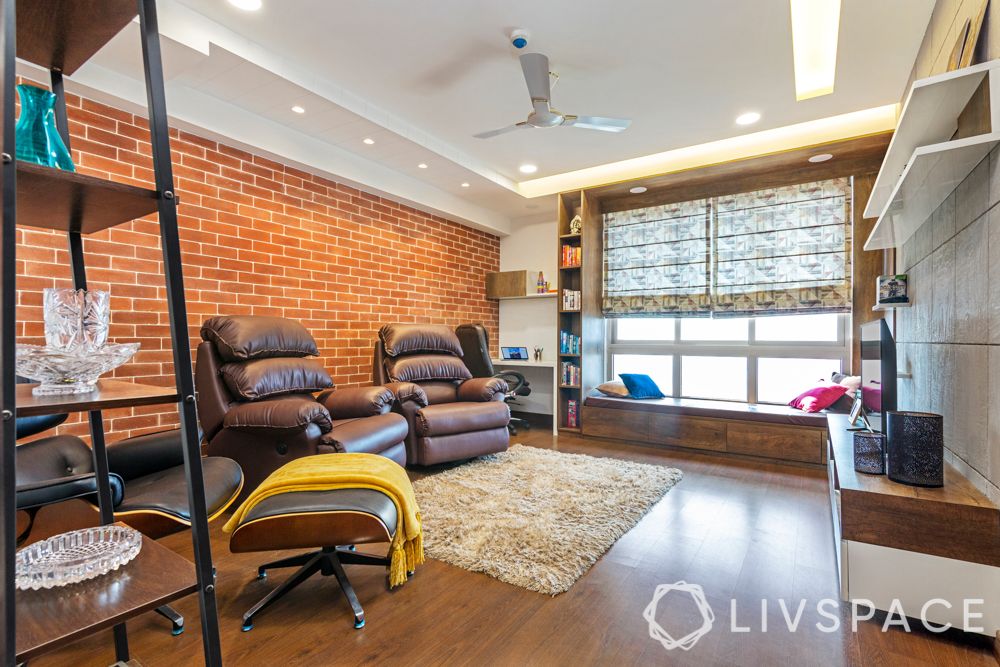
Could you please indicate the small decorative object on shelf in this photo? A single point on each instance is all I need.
(576, 225)
(915, 448)
(36, 136)
(76, 556)
(541, 287)
(892, 290)
(537, 351)
(869, 452)
(76, 350)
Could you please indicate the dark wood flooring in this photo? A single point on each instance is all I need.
(741, 530)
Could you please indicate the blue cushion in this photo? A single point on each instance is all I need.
(641, 386)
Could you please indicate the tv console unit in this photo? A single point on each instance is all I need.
(913, 544)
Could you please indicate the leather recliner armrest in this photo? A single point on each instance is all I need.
(279, 415)
(354, 402)
(408, 391)
(481, 390)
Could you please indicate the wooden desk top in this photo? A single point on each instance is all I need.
(954, 521)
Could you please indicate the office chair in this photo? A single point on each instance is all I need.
(475, 341)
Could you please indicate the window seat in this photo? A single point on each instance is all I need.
(767, 431)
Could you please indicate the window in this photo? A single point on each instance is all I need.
(784, 250)
(757, 360)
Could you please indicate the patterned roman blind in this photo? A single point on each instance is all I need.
(777, 251)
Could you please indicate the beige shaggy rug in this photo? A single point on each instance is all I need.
(535, 518)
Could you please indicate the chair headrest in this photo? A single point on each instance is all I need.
(399, 339)
(244, 337)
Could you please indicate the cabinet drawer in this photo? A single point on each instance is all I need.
(777, 442)
(620, 424)
(684, 431)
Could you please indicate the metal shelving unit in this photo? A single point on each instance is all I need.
(61, 35)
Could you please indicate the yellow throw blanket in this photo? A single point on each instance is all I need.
(325, 472)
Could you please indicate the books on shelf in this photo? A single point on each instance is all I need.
(570, 374)
(569, 343)
(571, 299)
(572, 420)
(571, 256)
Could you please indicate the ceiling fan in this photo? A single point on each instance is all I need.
(536, 74)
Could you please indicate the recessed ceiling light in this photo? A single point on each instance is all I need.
(298, 109)
(822, 157)
(748, 118)
(465, 185)
(422, 165)
(246, 5)
(528, 168)
(815, 28)
(638, 190)
(368, 140)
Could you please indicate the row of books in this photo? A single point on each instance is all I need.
(571, 299)
(572, 255)
(569, 343)
(570, 374)
(572, 416)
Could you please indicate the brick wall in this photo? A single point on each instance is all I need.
(258, 237)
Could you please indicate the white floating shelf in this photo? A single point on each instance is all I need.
(923, 165)
(891, 306)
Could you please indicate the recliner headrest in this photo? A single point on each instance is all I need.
(244, 337)
(401, 339)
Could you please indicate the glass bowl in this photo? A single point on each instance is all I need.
(69, 372)
(75, 556)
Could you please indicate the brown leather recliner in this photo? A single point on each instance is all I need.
(452, 416)
(256, 405)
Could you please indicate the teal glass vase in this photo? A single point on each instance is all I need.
(36, 135)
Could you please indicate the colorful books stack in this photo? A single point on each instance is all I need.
(570, 374)
(569, 343)
(572, 256)
(571, 413)
(571, 299)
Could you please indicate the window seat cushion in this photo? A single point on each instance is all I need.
(774, 414)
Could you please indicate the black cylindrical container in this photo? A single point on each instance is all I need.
(915, 448)
(869, 452)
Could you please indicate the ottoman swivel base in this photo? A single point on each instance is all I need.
(328, 561)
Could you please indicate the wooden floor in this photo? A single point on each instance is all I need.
(741, 530)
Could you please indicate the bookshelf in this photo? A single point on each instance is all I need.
(580, 318)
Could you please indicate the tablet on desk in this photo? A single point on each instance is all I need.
(514, 353)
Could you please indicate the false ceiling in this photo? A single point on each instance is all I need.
(420, 78)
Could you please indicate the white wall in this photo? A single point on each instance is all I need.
(531, 322)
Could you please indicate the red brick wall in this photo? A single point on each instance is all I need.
(258, 237)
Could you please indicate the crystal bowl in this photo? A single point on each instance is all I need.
(69, 372)
(75, 556)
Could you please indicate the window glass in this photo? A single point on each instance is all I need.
(660, 367)
(704, 328)
(645, 328)
(722, 378)
(805, 328)
(781, 380)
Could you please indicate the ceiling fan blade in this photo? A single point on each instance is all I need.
(536, 74)
(503, 130)
(598, 123)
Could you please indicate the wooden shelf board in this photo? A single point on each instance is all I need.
(567, 354)
(546, 295)
(568, 311)
(570, 237)
(47, 619)
(67, 201)
(930, 176)
(891, 306)
(570, 429)
(929, 116)
(64, 34)
(569, 386)
(569, 268)
(109, 394)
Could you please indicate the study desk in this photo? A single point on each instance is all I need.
(513, 364)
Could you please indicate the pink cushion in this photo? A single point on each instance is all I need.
(818, 398)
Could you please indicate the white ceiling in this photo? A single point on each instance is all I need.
(421, 77)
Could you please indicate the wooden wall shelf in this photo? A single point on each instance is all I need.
(67, 201)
